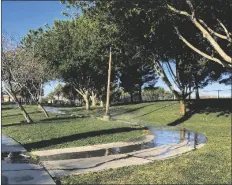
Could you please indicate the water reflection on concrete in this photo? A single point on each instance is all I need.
(163, 136)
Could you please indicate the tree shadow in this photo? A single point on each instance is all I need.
(132, 110)
(221, 107)
(20, 114)
(6, 108)
(42, 121)
(182, 119)
(70, 138)
(154, 110)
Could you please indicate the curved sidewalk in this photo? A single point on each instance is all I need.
(79, 160)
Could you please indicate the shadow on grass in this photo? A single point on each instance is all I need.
(70, 138)
(222, 107)
(155, 110)
(7, 108)
(42, 121)
(182, 119)
(20, 114)
(132, 110)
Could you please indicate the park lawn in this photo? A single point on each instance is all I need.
(167, 111)
(62, 132)
(209, 165)
(11, 116)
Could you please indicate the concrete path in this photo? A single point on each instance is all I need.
(10, 145)
(60, 153)
(67, 163)
(16, 172)
(167, 143)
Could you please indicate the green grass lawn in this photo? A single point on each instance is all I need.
(12, 115)
(63, 132)
(208, 165)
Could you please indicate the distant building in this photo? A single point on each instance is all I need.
(7, 98)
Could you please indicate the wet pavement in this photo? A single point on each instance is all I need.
(10, 145)
(17, 167)
(167, 142)
(164, 143)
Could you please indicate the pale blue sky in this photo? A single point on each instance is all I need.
(18, 17)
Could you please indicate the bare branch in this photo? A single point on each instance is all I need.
(79, 91)
(173, 76)
(200, 52)
(164, 77)
(206, 34)
(178, 11)
(212, 41)
(226, 31)
(191, 7)
(214, 32)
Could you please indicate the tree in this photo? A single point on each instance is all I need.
(151, 26)
(36, 70)
(10, 71)
(58, 91)
(134, 77)
(70, 93)
(79, 54)
(32, 72)
(211, 20)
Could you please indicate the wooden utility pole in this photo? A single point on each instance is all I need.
(107, 114)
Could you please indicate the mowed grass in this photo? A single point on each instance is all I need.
(159, 112)
(62, 132)
(208, 165)
(11, 114)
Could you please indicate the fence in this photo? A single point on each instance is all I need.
(168, 96)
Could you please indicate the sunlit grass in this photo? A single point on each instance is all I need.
(64, 131)
(208, 165)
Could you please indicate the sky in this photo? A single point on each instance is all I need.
(18, 17)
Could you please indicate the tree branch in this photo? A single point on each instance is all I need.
(226, 31)
(191, 7)
(79, 91)
(200, 52)
(172, 75)
(206, 34)
(178, 11)
(164, 77)
(212, 41)
(214, 32)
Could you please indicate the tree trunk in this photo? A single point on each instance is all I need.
(189, 94)
(86, 99)
(140, 94)
(101, 104)
(197, 93)
(131, 95)
(25, 114)
(41, 93)
(43, 109)
(87, 107)
(182, 107)
(93, 99)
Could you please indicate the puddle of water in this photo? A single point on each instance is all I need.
(54, 110)
(15, 157)
(163, 136)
